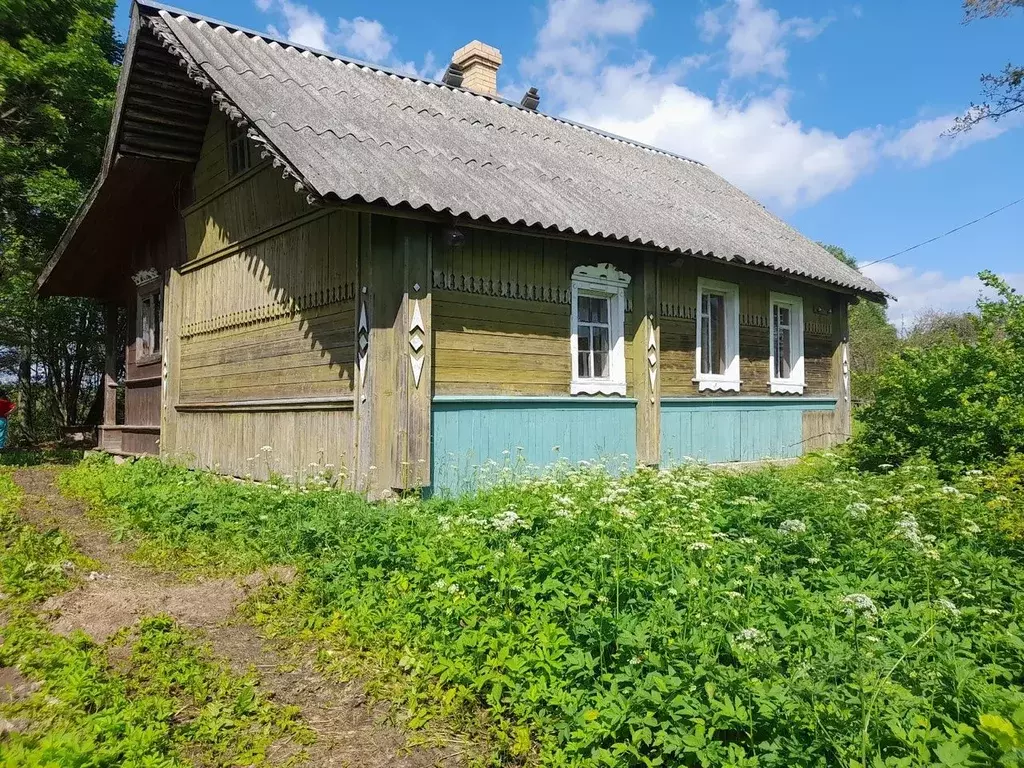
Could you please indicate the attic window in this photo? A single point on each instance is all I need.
(239, 159)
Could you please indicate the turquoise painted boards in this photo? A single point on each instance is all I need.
(522, 433)
(718, 430)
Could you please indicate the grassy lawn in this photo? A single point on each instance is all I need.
(808, 616)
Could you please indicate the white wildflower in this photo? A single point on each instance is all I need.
(858, 508)
(440, 585)
(746, 540)
(453, 589)
(507, 520)
(750, 637)
(267, 448)
(907, 528)
(699, 546)
(948, 606)
(813, 560)
(860, 603)
(626, 512)
(734, 595)
(949, 490)
(636, 661)
(971, 528)
(793, 526)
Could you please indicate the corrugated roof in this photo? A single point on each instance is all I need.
(356, 132)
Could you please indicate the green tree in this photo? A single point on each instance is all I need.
(58, 71)
(960, 403)
(1002, 93)
(873, 339)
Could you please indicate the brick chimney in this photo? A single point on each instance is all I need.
(479, 64)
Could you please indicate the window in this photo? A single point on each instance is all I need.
(149, 325)
(718, 336)
(238, 150)
(598, 316)
(787, 350)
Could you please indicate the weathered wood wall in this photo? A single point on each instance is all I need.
(263, 315)
(679, 329)
(502, 316)
(160, 249)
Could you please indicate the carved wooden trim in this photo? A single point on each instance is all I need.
(678, 311)
(652, 359)
(271, 311)
(486, 286)
(417, 334)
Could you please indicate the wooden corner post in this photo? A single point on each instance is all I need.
(647, 361)
(393, 340)
(842, 428)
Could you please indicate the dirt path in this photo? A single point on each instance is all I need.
(351, 732)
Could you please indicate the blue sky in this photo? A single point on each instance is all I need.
(828, 111)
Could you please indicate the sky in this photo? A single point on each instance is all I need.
(830, 112)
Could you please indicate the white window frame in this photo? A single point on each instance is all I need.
(729, 380)
(793, 384)
(603, 281)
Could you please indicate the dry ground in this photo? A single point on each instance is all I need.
(352, 732)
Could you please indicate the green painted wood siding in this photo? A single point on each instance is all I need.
(734, 429)
(475, 439)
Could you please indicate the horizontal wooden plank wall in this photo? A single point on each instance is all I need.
(302, 443)
(480, 441)
(738, 429)
(229, 211)
(286, 327)
(264, 315)
(501, 313)
(679, 329)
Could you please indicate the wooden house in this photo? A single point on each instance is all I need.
(326, 263)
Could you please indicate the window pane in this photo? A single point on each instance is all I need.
(783, 352)
(583, 363)
(601, 346)
(583, 309)
(712, 341)
(157, 324)
(599, 310)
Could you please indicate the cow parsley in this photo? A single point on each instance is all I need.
(792, 526)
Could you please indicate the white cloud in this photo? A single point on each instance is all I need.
(360, 38)
(755, 144)
(925, 142)
(752, 140)
(917, 290)
(365, 38)
(757, 36)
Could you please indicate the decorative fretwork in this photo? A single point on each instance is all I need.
(652, 357)
(417, 334)
(679, 311)
(270, 311)
(818, 328)
(363, 344)
(486, 286)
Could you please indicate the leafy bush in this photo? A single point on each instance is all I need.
(960, 404)
(814, 616)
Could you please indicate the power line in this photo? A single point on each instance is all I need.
(944, 234)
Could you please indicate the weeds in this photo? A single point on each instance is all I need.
(812, 616)
(151, 696)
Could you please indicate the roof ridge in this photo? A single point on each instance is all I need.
(348, 60)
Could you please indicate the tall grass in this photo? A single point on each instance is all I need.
(811, 616)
